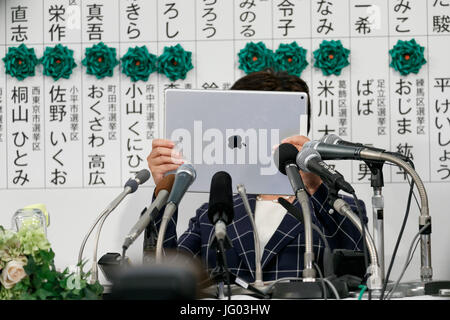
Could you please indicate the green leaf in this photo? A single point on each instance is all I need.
(43, 294)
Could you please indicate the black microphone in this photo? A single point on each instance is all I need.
(309, 160)
(220, 214)
(221, 208)
(285, 160)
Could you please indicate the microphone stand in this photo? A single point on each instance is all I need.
(374, 282)
(168, 213)
(308, 288)
(220, 273)
(103, 216)
(377, 184)
(258, 271)
(150, 240)
(309, 273)
(426, 270)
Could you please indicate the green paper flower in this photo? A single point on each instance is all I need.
(255, 57)
(20, 62)
(331, 57)
(138, 63)
(290, 58)
(100, 60)
(33, 239)
(407, 57)
(58, 62)
(175, 62)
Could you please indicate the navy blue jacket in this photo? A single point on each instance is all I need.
(283, 254)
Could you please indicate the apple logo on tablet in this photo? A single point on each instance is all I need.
(235, 142)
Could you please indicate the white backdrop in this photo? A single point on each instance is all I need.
(74, 205)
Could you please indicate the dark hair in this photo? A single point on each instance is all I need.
(270, 80)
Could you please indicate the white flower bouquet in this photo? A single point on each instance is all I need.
(27, 269)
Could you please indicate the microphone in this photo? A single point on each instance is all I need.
(365, 153)
(221, 208)
(284, 157)
(309, 160)
(220, 214)
(184, 177)
(130, 186)
(332, 147)
(140, 178)
(335, 139)
(162, 191)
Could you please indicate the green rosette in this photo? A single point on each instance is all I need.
(175, 62)
(290, 58)
(138, 63)
(20, 62)
(331, 57)
(58, 62)
(100, 60)
(407, 57)
(255, 57)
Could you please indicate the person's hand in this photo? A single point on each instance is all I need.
(163, 159)
(312, 182)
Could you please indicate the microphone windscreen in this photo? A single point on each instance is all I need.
(221, 198)
(286, 153)
(184, 177)
(165, 184)
(142, 176)
(330, 139)
(304, 156)
(310, 144)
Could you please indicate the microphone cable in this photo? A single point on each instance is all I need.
(400, 235)
(409, 257)
(324, 289)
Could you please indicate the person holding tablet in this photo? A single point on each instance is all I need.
(281, 235)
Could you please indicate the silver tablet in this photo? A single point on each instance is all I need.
(234, 131)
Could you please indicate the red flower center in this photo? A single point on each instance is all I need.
(407, 57)
(331, 57)
(19, 62)
(138, 62)
(174, 62)
(100, 59)
(255, 58)
(58, 61)
(289, 59)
